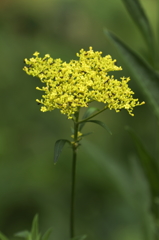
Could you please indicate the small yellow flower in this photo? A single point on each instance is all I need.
(69, 86)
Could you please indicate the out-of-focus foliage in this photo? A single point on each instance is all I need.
(146, 74)
(112, 195)
(34, 234)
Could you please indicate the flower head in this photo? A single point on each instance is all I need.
(69, 86)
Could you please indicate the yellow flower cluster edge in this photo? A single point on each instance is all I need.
(70, 86)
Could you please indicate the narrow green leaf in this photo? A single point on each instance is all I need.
(146, 77)
(127, 186)
(39, 236)
(86, 134)
(58, 148)
(143, 198)
(87, 114)
(35, 227)
(23, 234)
(79, 237)
(3, 237)
(100, 124)
(112, 171)
(72, 130)
(47, 234)
(138, 15)
(148, 163)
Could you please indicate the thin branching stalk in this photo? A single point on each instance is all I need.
(95, 114)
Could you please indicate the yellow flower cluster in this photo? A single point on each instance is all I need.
(69, 86)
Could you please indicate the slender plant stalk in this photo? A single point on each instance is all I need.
(74, 159)
(74, 148)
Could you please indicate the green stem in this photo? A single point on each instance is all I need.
(73, 180)
(95, 114)
(74, 148)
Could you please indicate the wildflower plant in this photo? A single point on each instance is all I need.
(74, 85)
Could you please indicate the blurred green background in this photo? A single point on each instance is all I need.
(111, 196)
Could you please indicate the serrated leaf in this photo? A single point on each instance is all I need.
(146, 77)
(138, 15)
(23, 234)
(3, 237)
(47, 234)
(35, 228)
(79, 237)
(100, 124)
(58, 148)
(148, 163)
(87, 114)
